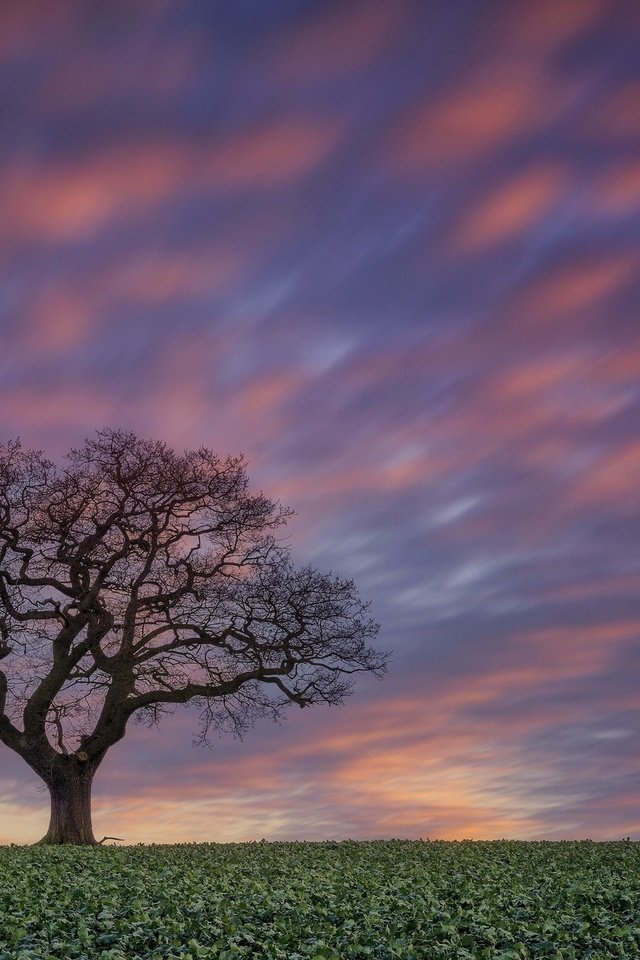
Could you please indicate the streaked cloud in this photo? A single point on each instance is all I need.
(390, 252)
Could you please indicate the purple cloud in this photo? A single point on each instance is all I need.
(390, 252)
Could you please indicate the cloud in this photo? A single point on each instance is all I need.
(75, 199)
(513, 95)
(270, 155)
(616, 117)
(390, 254)
(410, 764)
(617, 193)
(341, 42)
(511, 210)
(577, 288)
(612, 479)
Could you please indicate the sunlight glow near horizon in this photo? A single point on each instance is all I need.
(390, 252)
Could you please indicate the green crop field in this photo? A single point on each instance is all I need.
(384, 899)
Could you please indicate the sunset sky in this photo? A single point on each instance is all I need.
(390, 251)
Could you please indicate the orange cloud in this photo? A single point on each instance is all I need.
(401, 791)
(509, 210)
(410, 764)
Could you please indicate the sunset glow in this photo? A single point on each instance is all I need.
(388, 250)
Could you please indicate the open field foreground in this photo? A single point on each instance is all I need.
(326, 901)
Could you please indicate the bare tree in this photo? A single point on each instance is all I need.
(135, 579)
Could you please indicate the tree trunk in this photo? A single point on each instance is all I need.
(69, 785)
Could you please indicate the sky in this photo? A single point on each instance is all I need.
(389, 250)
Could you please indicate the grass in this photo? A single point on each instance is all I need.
(413, 900)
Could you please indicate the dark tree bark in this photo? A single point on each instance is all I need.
(70, 792)
(135, 580)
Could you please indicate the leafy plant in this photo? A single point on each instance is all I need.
(346, 900)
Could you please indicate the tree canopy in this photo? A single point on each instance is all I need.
(134, 579)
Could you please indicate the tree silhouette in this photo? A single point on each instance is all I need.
(135, 579)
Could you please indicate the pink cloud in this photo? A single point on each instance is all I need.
(617, 117)
(409, 766)
(464, 225)
(616, 193)
(547, 26)
(24, 26)
(270, 155)
(59, 319)
(511, 94)
(578, 287)
(448, 761)
(496, 105)
(159, 278)
(613, 477)
(74, 199)
(510, 210)
(78, 407)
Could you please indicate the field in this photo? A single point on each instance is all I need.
(324, 901)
